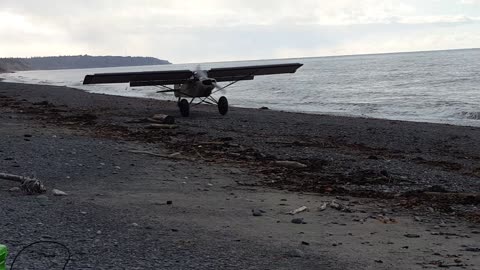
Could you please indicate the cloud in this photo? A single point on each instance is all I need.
(214, 30)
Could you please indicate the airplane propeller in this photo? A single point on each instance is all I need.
(203, 74)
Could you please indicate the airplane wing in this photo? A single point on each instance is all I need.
(249, 72)
(170, 77)
(160, 77)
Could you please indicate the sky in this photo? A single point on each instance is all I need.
(223, 30)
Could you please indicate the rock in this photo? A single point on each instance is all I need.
(264, 108)
(257, 213)
(291, 164)
(472, 249)
(57, 192)
(163, 119)
(305, 243)
(410, 235)
(298, 221)
(15, 189)
(169, 202)
(135, 224)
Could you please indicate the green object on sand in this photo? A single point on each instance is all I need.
(3, 257)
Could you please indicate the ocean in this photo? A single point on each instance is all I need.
(437, 87)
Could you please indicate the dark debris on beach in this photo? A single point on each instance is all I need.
(412, 163)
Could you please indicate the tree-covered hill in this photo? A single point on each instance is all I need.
(74, 62)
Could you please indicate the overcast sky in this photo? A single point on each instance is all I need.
(217, 30)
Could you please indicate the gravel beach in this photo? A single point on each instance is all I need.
(379, 194)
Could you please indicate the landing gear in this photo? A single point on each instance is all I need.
(184, 106)
(222, 105)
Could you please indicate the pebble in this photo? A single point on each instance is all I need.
(410, 235)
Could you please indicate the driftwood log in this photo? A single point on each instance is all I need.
(27, 184)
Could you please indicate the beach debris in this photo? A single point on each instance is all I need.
(305, 243)
(290, 164)
(169, 202)
(298, 210)
(15, 189)
(323, 207)
(386, 220)
(28, 185)
(57, 192)
(264, 108)
(342, 208)
(472, 249)
(161, 126)
(162, 119)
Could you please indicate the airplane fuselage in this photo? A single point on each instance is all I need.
(197, 87)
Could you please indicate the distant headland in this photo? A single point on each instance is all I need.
(75, 62)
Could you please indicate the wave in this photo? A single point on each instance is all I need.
(469, 115)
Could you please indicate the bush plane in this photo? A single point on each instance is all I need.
(187, 84)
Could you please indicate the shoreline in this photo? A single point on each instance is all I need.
(463, 122)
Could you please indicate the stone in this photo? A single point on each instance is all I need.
(410, 235)
(298, 221)
(257, 213)
(57, 192)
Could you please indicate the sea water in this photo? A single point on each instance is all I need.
(439, 87)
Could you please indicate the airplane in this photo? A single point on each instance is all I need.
(187, 84)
